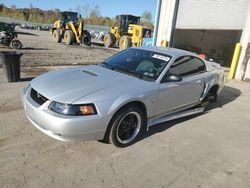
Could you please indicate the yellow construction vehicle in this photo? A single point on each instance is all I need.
(128, 33)
(70, 29)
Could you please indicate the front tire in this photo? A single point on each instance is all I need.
(126, 126)
(109, 40)
(69, 37)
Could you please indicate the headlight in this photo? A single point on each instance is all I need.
(73, 110)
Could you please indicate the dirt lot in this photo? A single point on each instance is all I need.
(39, 49)
(209, 150)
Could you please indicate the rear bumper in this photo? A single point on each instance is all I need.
(61, 127)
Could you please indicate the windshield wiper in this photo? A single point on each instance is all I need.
(127, 70)
(123, 69)
(107, 65)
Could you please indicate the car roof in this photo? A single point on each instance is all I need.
(174, 52)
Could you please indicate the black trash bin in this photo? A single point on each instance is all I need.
(11, 65)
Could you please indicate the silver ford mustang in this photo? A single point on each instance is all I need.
(118, 99)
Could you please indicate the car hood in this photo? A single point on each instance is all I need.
(68, 85)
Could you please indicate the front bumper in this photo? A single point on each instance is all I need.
(62, 127)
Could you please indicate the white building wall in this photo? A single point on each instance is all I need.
(212, 14)
(165, 22)
(245, 39)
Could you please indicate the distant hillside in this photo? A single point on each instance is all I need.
(30, 14)
(49, 16)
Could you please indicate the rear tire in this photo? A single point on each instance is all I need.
(16, 44)
(86, 39)
(56, 36)
(69, 37)
(126, 126)
(125, 42)
(109, 40)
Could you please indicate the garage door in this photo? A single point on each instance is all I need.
(212, 14)
(214, 44)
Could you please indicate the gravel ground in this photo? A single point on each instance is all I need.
(39, 49)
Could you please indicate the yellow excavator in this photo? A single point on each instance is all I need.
(70, 29)
(128, 33)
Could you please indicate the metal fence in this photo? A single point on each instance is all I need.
(96, 28)
(16, 21)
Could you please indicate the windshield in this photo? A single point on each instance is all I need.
(66, 17)
(143, 64)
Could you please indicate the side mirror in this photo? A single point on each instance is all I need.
(174, 78)
(171, 78)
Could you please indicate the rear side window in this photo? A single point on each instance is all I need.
(187, 65)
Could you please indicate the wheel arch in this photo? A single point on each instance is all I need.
(136, 103)
(214, 89)
(212, 93)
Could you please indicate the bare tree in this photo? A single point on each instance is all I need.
(95, 12)
(146, 16)
(13, 7)
(146, 19)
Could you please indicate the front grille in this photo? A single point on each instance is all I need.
(37, 97)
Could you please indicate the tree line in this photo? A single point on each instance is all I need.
(91, 15)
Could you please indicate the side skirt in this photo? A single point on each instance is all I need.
(176, 116)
